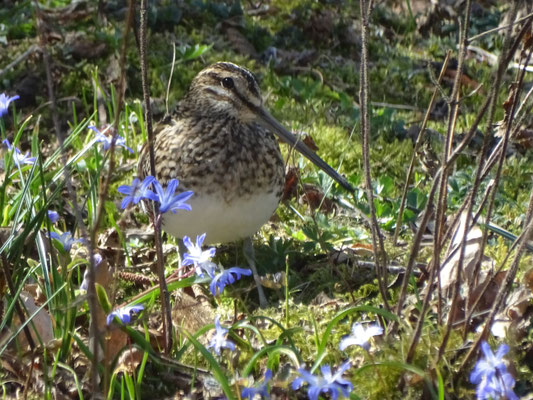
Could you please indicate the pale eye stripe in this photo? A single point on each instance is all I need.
(221, 95)
(218, 91)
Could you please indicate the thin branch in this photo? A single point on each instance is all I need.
(19, 59)
(443, 179)
(504, 60)
(499, 28)
(91, 292)
(428, 209)
(415, 150)
(508, 132)
(380, 256)
(116, 123)
(165, 297)
(395, 106)
(505, 288)
(170, 77)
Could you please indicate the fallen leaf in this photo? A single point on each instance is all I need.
(448, 268)
(292, 178)
(41, 324)
(129, 360)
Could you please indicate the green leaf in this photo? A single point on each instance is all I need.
(190, 53)
(216, 369)
(271, 351)
(102, 298)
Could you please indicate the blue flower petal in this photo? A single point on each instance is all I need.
(4, 103)
(124, 314)
(53, 216)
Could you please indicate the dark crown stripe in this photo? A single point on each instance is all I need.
(250, 78)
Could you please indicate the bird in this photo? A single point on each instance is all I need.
(220, 144)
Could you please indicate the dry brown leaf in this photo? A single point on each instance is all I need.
(41, 324)
(129, 360)
(448, 270)
(192, 310)
(515, 316)
(309, 141)
(292, 178)
(314, 198)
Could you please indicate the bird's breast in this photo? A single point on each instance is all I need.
(221, 220)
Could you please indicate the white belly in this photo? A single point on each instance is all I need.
(222, 222)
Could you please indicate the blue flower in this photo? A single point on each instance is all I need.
(360, 336)
(170, 202)
(327, 383)
(65, 239)
(499, 386)
(124, 314)
(219, 341)
(21, 159)
(491, 364)
(18, 158)
(137, 191)
(53, 216)
(200, 259)
(227, 277)
(4, 103)
(259, 390)
(97, 261)
(491, 376)
(107, 141)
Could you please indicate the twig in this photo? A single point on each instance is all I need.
(60, 100)
(170, 77)
(500, 268)
(443, 179)
(104, 188)
(91, 292)
(415, 150)
(505, 288)
(413, 253)
(493, 59)
(380, 256)
(19, 59)
(395, 106)
(466, 226)
(428, 210)
(116, 123)
(28, 378)
(165, 297)
(492, 191)
(487, 105)
(499, 28)
(504, 60)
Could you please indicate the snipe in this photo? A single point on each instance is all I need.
(220, 144)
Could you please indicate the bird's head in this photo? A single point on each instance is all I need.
(226, 89)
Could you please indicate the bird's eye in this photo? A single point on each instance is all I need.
(227, 83)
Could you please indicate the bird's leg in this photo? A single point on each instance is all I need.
(249, 254)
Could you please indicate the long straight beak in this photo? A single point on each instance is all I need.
(271, 123)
